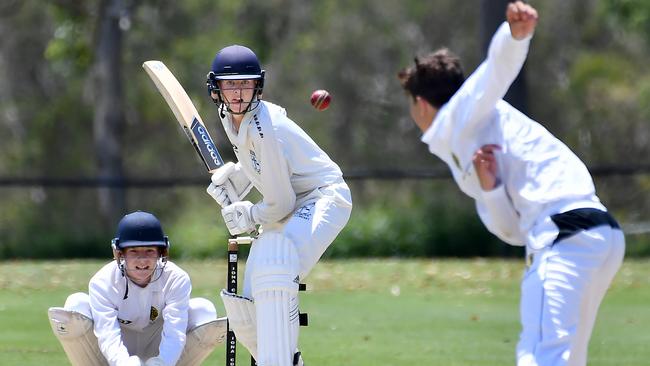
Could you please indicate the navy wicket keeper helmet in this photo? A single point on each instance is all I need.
(140, 229)
(235, 63)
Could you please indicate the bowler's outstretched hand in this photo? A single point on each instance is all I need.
(522, 19)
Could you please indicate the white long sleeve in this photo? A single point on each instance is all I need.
(459, 121)
(540, 174)
(104, 309)
(176, 294)
(281, 160)
(499, 216)
(115, 302)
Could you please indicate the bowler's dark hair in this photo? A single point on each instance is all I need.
(435, 77)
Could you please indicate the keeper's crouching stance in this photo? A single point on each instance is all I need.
(306, 203)
(138, 310)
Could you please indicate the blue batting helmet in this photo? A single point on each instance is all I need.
(235, 63)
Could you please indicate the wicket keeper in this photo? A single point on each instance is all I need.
(138, 309)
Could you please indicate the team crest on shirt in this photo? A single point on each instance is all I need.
(153, 314)
(123, 321)
(255, 162)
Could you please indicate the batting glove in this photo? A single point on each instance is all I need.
(229, 184)
(223, 194)
(239, 217)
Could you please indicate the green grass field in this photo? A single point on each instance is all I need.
(362, 312)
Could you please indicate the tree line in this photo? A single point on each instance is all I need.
(76, 103)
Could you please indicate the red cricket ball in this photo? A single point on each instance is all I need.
(321, 99)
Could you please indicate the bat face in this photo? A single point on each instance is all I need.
(186, 114)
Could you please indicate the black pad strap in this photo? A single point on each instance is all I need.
(296, 358)
(303, 319)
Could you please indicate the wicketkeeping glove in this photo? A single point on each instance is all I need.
(238, 217)
(133, 361)
(155, 361)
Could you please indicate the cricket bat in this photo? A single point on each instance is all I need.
(186, 114)
(188, 117)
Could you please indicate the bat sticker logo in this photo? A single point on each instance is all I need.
(206, 147)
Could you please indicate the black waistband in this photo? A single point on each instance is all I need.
(571, 222)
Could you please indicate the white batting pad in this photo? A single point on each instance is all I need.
(201, 341)
(274, 268)
(277, 328)
(75, 332)
(241, 315)
(273, 264)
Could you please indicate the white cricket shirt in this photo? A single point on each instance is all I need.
(284, 164)
(167, 297)
(540, 175)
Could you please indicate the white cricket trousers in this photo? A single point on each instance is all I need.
(313, 227)
(561, 293)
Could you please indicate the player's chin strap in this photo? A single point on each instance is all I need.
(224, 106)
(155, 275)
(160, 267)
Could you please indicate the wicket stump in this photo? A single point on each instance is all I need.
(233, 258)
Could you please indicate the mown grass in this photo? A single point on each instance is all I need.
(362, 312)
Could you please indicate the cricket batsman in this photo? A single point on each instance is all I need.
(530, 189)
(305, 204)
(138, 309)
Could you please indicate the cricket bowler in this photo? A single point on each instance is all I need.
(530, 189)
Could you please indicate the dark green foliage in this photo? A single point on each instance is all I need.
(418, 219)
(587, 80)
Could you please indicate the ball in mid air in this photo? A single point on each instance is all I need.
(321, 99)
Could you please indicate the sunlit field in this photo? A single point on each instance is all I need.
(362, 312)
